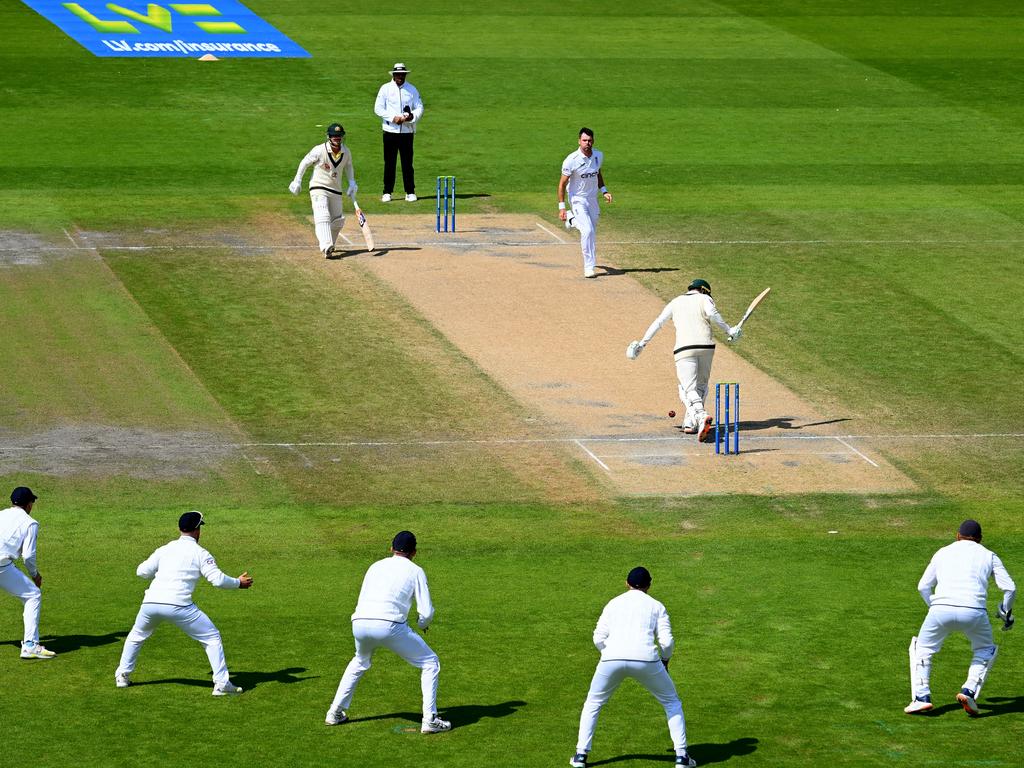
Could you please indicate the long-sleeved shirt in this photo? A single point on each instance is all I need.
(959, 574)
(392, 100)
(18, 533)
(389, 587)
(692, 313)
(175, 568)
(327, 167)
(634, 627)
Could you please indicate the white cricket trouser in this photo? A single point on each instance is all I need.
(328, 217)
(192, 621)
(586, 213)
(942, 621)
(653, 676)
(371, 634)
(16, 583)
(693, 369)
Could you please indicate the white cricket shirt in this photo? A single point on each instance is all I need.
(582, 172)
(327, 167)
(392, 100)
(634, 627)
(389, 587)
(960, 573)
(175, 568)
(18, 533)
(692, 313)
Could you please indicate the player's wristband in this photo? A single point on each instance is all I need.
(561, 206)
(604, 190)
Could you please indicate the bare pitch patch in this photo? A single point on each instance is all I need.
(508, 291)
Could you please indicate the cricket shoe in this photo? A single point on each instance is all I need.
(689, 429)
(336, 718)
(435, 725)
(122, 680)
(329, 251)
(589, 272)
(685, 759)
(703, 428)
(411, 198)
(919, 705)
(385, 198)
(226, 689)
(966, 699)
(569, 220)
(579, 760)
(35, 651)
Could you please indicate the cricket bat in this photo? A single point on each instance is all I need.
(750, 310)
(364, 226)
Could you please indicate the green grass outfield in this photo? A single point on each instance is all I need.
(862, 158)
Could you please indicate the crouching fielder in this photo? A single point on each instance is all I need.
(175, 568)
(634, 636)
(381, 620)
(694, 350)
(959, 574)
(329, 160)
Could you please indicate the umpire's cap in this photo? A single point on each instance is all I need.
(335, 129)
(399, 69)
(190, 521)
(404, 542)
(21, 496)
(639, 578)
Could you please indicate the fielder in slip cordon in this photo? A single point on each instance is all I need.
(954, 586)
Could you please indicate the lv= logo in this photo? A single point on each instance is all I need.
(156, 16)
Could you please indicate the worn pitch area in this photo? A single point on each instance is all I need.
(508, 291)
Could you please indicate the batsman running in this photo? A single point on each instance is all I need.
(955, 587)
(329, 161)
(694, 350)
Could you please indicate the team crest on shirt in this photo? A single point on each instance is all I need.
(210, 561)
(325, 165)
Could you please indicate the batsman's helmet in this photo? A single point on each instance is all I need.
(335, 129)
(700, 285)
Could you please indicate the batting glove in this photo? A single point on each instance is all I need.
(352, 189)
(735, 332)
(634, 349)
(295, 187)
(1007, 617)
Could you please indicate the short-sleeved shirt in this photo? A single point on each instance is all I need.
(582, 172)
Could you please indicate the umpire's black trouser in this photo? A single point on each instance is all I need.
(395, 143)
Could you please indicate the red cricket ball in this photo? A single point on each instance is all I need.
(671, 414)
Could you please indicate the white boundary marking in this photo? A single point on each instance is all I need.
(553, 234)
(591, 454)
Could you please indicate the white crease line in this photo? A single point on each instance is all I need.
(553, 234)
(251, 463)
(869, 461)
(345, 238)
(594, 457)
(69, 237)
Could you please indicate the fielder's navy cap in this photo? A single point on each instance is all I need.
(639, 578)
(190, 521)
(21, 496)
(971, 529)
(404, 542)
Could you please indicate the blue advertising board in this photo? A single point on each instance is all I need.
(224, 28)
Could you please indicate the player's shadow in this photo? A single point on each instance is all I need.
(247, 680)
(994, 707)
(616, 272)
(70, 643)
(339, 254)
(703, 754)
(783, 422)
(460, 716)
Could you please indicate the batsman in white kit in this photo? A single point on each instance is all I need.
(634, 636)
(955, 587)
(329, 161)
(583, 178)
(381, 620)
(694, 349)
(175, 568)
(18, 533)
